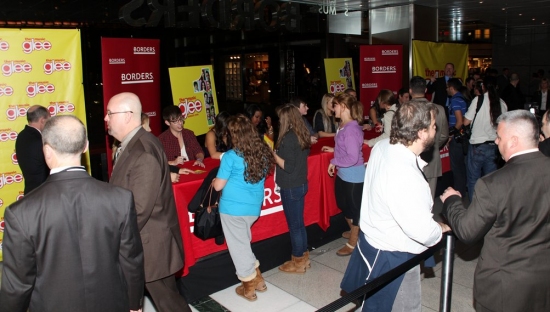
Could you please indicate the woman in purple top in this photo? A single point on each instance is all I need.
(348, 159)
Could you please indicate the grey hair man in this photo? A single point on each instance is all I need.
(510, 212)
(73, 243)
(28, 148)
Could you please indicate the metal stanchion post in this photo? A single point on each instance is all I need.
(447, 273)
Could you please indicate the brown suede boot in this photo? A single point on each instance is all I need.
(346, 234)
(259, 282)
(352, 242)
(308, 262)
(247, 290)
(297, 265)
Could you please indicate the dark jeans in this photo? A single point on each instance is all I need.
(348, 198)
(482, 160)
(458, 166)
(293, 206)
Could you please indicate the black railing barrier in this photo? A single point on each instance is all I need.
(447, 243)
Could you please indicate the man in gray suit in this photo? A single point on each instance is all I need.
(73, 243)
(141, 166)
(417, 90)
(510, 212)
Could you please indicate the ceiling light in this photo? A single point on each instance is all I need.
(533, 19)
(503, 9)
(520, 14)
(480, 1)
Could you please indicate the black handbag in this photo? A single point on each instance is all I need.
(207, 218)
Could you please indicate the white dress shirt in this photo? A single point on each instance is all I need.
(396, 211)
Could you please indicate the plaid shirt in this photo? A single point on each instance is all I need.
(172, 146)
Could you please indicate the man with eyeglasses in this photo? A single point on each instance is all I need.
(142, 168)
(179, 144)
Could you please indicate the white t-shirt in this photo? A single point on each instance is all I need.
(396, 211)
(483, 130)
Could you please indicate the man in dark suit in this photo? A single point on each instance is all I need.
(72, 244)
(28, 148)
(142, 167)
(544, 146)
(438, 86)
(510, 212)
(417, 90)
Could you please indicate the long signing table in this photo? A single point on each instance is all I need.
(320, 203)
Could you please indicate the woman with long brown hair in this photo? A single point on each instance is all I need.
(348, 158)
(241, 176)
(291, 153)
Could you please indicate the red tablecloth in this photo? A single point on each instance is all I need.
(320, 203)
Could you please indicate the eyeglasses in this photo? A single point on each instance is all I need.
(178, 120)
(109, 113)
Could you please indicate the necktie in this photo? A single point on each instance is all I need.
(117, 153)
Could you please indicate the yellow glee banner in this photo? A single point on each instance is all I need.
(429, 59)
(194, 93)
(339, 72)
(39, 67)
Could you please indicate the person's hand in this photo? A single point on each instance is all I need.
(331, 170)
(327, 149)
(378, 127)
(432, 79)
(367, 127)
(449, 192)
(179, 160)
(444, 227)
(199, 163)
(313, 139)
(185, 171)
(174, 177)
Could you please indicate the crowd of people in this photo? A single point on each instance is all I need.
(125, 235)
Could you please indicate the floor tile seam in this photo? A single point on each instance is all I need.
(312, 260)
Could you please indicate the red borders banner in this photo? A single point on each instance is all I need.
(380, 68)
(132, 65)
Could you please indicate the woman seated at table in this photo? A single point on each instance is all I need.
(348, 158)
(323, 120)
(217, 141)
(292, 149)
(375, 115)
(263, 127)
(387, 102)
(241, 176)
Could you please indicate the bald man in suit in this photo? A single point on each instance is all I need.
(142, 167)
(73, 243)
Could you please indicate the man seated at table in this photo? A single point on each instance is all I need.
(179, 144)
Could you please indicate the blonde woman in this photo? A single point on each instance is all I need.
(323, 121)
(386, 100)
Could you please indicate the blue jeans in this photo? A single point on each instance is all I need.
(482, 160)
(293, 206)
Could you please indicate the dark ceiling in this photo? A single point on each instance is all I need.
(467, 13)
